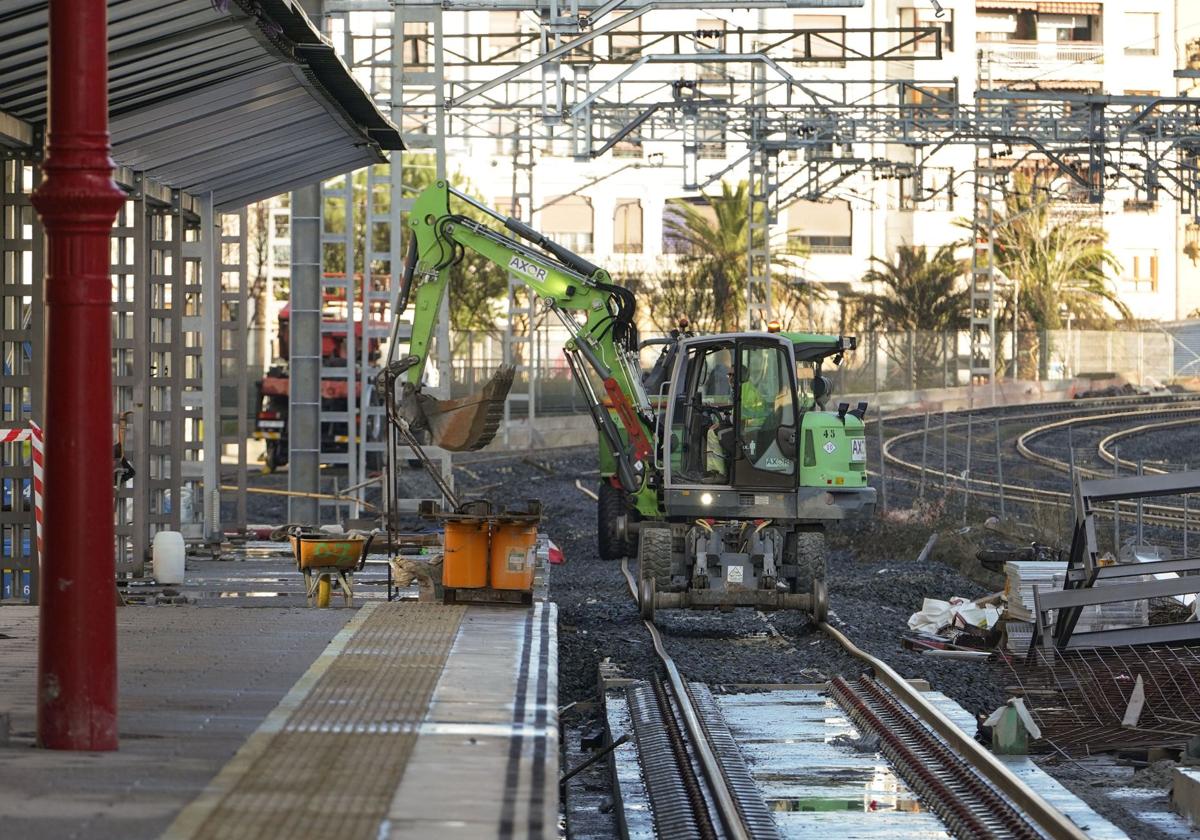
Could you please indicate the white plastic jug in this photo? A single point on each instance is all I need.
(167, 552)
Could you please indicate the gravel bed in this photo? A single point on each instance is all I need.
(1176, 446)
(874, 583)
(871, 599)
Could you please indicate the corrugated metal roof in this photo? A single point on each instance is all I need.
(243, 98)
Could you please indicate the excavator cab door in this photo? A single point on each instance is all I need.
(732, 416)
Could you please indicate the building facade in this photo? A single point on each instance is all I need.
(613, 207)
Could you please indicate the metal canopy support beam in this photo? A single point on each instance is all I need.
(210, 373)
(131, 371)
(304, 357)
(520, 345)
(164, 410)
(418, 75)
(338, 423)
(233, 354)
(189, 446)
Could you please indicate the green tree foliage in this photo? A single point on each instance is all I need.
(916, 299)
(1059, 264)
(477, 286)
(708, 286)
(1056, 265)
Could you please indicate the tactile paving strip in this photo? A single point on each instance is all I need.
(332, 769)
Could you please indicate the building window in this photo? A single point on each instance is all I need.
(932, 101)
(505, 207)
(712, 143)
(627, 226)
(824, 227)
(504, 35)
(567, 219)
(678, 236)
(626, 39)
(916, 17)
(627, 149)
(416, 43)
(1142, 271)
(820, 49)
(934, 191)
(1141, 33)
(992, 27)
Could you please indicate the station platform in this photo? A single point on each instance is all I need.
(416, 720)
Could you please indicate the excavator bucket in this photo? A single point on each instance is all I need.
(467, 423)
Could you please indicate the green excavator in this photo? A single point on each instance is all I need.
(720, 467)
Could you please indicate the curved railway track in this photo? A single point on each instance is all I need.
(975, 795)
(1169, 414)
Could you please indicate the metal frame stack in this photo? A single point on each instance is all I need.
(21, 333)
(520, 347)
(340, 290)
(233, 346)
(983, 274)
(130, 361)
(1084, 572)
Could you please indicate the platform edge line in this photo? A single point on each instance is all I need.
(196, 813)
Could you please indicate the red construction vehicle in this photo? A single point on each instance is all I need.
(272, 420)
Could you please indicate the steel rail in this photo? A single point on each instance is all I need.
(1052, 821)
(1102, 448)
(1048, 818)
(724, 799)
(1028, 453)
(1163, 514)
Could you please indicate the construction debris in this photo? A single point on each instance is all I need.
(1087, 701)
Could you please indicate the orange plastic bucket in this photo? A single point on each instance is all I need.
(512, 555)
(465, 561)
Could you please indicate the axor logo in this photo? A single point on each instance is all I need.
(530, 269)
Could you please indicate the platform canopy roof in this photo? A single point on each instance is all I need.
(241, 98)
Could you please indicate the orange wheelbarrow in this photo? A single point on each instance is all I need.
(323, 557)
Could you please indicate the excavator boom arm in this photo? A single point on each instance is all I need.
(597, 313)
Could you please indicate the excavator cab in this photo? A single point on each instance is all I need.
(754, 468)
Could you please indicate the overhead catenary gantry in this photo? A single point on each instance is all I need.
(600, 76)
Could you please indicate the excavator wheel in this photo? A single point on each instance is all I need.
(646, 591)
(820, 604)
(655, 549)
(806, 551)
(610, 506)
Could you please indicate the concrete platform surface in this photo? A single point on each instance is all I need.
(418, 720)
(194, 684)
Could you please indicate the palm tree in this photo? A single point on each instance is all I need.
(922, 296)
(1056, 265)
(713, 264)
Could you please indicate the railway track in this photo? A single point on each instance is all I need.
(699, 786)
(1160, 417)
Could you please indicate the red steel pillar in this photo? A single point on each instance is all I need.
(78, 201)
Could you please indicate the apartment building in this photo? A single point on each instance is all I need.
(614, 207)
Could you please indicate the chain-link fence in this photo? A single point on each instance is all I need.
(968, 467)
(892, 361)
(906, 361)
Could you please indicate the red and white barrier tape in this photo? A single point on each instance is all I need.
(35, 436)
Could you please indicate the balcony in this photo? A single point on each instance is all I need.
(1041, 61)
